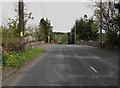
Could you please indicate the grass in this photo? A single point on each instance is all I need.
(19, 58)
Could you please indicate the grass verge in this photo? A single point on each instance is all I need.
(18, 58)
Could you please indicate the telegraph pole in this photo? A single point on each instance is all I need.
(49, 32)
(21, 22)
(101, 24)
(49, 35)
(117, 6)
(75, 32)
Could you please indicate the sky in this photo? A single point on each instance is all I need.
(61, 14)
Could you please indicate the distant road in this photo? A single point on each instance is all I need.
(69, 65)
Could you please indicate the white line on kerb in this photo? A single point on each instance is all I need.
(93, 69)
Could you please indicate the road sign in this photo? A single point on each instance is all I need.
(21, 33)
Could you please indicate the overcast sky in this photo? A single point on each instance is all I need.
(61, 14)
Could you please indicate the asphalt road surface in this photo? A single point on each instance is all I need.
(69, 65)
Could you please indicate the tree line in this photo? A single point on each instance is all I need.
(44, 32)
(86, 29)
(103, 27)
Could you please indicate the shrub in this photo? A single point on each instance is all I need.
(10, 40)
(14, 44)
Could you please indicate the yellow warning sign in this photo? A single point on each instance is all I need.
(21, 33)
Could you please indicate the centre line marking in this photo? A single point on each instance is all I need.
(75, 54)
(93, 69)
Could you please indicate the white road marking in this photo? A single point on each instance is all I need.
(81, 57)
(60, 56)
(93, 69)
(75, 54)
(90, 65)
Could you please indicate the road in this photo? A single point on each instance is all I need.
(69, 65)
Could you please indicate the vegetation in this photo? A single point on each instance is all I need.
(107, 18)
(13, 54)
(0, 35)
(18, 58)
(11, 35)
(61, 37)
(44, 32)
(86, 29)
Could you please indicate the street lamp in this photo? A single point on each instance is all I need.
(75, 32)
(49, 32)
(101, 24)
